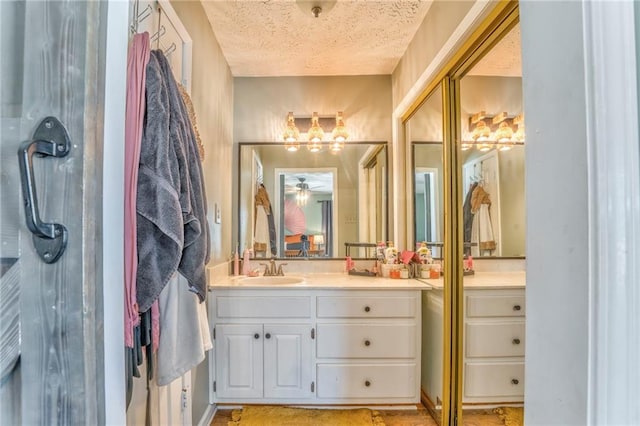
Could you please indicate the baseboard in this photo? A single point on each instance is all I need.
(208, 415)
(430, 406)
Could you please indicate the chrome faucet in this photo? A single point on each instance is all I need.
(271, 270)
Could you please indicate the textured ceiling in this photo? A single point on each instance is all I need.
(504, 59)
(283, 38)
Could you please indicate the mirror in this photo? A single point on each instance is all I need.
(319, 201)
(500, 172)
(493, 150)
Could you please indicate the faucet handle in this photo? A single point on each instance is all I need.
(266, 269)
(280, 271)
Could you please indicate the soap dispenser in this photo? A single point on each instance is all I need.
(246, 260)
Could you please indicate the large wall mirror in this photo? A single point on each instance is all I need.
(318, 201)
(493, 152)
(490, 98)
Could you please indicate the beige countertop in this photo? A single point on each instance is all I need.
(340, 281)
(511, 279)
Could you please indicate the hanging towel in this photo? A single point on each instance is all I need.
(262, 199)
(137, 60)
(173, 233)
(468, 216)
(261, 234)
(185, 331)
(195, 254)
(482, 230)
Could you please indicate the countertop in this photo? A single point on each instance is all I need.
(512, 279)
(340, 281)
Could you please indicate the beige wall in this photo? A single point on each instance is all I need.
(441, 21)
(212, 96)
(261, 105)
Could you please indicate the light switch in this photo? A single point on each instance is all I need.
(218, 215)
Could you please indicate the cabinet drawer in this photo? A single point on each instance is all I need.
(490, 380)
(263, 307)
(495, 306)
(366, 380)
(366, 307)
(494, 340)
(366, 341)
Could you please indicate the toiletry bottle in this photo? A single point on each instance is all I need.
(246, 259)
(236, 262)
(424, 253)
(380, 251)
(391, 253)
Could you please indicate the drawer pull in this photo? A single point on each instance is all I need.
(367, 343)
(516, 341)
(267, 336)
(367, 309)
(516, 307)
(256, 336)
(515, 381)
(367, 383)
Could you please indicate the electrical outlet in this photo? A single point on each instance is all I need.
(218, 214)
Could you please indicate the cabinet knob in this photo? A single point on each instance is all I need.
(267, 336)
(367, 383)
(516, 307)
(515, 381)
(367, 343)
(256, 336)
(516, 341)
(367, 309)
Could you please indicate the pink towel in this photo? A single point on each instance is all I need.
(137, 60)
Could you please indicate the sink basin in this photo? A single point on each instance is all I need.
(271, 280)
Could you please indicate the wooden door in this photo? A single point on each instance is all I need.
(51, 68)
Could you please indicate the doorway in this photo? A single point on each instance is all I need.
(306, 206)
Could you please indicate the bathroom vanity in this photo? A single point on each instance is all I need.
(324, 339)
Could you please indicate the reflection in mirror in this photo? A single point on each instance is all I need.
(355, 208)
(308, 199)
(493, 152)
(424, 129)
(498, 169)
(427, 193)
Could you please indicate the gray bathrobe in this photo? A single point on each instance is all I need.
(173, 234)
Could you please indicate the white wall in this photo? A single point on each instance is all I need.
(557, 216)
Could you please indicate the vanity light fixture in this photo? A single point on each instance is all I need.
(312, 131)
(291, 134)
(519, 134)
(504, 133)
(339, 133)
(315, 134)
(481, 133)
(498, 133)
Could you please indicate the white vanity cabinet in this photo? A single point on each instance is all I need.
(263, 346)
(494, 340)
(315, 346)
(493, 345)
(368, 346)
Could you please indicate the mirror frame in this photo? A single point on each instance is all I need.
(385, 146)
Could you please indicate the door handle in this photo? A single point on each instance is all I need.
(49, 140)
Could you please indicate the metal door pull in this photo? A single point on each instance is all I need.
(49, 140)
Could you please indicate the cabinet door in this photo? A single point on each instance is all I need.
(287, 361)
(239, 360)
